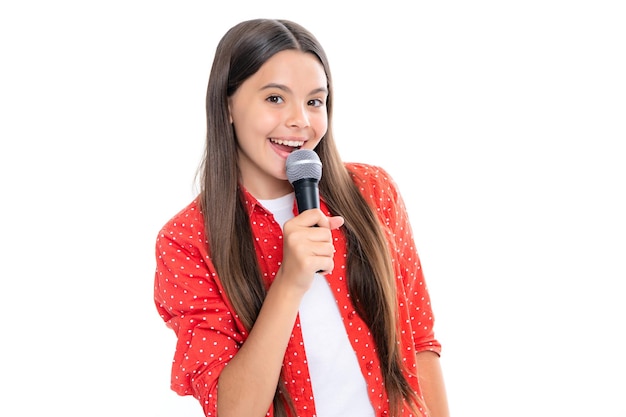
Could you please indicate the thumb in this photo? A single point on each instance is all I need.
(335, 222)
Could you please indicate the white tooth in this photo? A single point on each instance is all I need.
(291, 143)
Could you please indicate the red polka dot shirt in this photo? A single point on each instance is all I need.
(190, 299)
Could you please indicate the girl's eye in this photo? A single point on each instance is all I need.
(275, 99)
(316, 102)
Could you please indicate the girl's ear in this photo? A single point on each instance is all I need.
(230, 113)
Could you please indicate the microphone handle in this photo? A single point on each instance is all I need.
(307, 194)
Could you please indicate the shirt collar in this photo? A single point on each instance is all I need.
(251, 203)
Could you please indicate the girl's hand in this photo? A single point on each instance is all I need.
(308, 249)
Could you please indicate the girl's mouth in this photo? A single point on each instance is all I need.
(287, 145)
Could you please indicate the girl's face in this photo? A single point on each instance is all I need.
(282, 107)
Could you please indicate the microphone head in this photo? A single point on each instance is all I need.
(303, 163)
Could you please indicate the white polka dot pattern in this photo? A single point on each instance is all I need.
(189, 297)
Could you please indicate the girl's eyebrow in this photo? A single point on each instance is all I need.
(288, 90)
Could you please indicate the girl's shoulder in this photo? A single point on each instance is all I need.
(372, 180)
(190, 215)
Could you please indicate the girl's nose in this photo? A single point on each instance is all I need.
(298, 117)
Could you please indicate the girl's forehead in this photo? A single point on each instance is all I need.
(292, 67)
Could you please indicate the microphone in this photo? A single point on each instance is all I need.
(304, 170)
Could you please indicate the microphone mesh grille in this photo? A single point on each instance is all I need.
(303, 163)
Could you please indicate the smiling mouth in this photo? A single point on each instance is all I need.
(288, 144)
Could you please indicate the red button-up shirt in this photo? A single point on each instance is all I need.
(189, 296)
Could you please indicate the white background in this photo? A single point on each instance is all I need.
(503, 123)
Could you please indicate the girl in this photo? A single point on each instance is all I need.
(273, 315)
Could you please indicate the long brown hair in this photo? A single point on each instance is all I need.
(240, 53)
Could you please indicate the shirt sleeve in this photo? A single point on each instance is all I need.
(412, 288)
(189, 298)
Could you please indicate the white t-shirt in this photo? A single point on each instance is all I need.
(338, 385)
